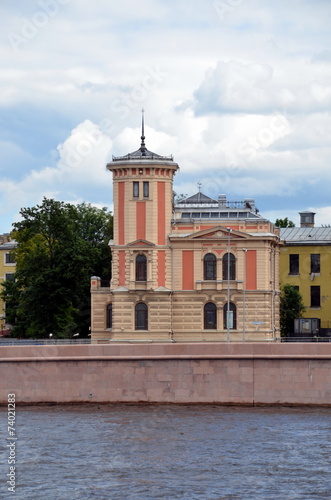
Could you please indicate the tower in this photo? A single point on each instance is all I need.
(139, 295)
(143, 206)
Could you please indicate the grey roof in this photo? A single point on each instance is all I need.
(9, 245)
(142, 154)
(198, 198)
(306, 235)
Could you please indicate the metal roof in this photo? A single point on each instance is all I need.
(306, 235)
(142, 154)
(198, 198)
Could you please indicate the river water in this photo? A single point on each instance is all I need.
(169, 452)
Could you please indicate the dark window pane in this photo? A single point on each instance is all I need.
(136, 189)
(315, 266)
(229, 266)
(141, 268)
(109, 315)
(141, 316)
(315, 296)
(294, 264)
(146, 189)
(10, 259)
(209, 267)
(210, 316)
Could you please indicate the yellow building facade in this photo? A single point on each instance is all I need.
(201, 269)
(305, 262)
(7, 270)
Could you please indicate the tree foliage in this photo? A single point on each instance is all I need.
(180, 197)
(291, 307)
(60, 246)
(284, 223)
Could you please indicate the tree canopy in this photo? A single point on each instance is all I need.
(284, 223)
(291, 307)
(59, 247)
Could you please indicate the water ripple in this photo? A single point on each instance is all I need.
(121, 452)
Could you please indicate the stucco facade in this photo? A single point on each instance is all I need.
(305, 262)
(7, 270)
(177, 269)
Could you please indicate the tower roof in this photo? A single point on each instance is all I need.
(142, 153)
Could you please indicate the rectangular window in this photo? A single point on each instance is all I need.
(315, 266)
(294, 263)
(136, 189)
(315, 296)
(9, 258)
(146, 189)
(9, 277)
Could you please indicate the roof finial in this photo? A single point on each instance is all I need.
(142, 146)
(199, 188)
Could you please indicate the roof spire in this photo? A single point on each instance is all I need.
(143, 146)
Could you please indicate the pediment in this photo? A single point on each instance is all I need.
(141, 243)
(218, 233)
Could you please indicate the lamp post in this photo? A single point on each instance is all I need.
(228, 307)
(244, 295)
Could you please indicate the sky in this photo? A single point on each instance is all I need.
(238, 91)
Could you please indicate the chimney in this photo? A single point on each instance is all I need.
(222, 200)
(307, 219)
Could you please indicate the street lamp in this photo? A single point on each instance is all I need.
(228, 308)
(244, 295)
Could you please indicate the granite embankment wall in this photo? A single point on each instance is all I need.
(239, 374)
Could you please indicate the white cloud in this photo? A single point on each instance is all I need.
(243, 102)
(234, 87)
(78, 175)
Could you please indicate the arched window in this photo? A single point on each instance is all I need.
(141, 268)
(109, 320)
(232, 316)
(210, 316)
(232, 266)
(209, 267)
(141, 316)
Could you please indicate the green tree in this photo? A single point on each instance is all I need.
(284, 223)
(180, 197)
(291, 307)
(60, 246)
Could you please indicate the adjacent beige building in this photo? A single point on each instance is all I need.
(201, 269)
(7, 271)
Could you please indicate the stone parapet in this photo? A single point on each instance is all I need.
(229, 373)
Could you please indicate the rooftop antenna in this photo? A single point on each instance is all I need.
(143, 146)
